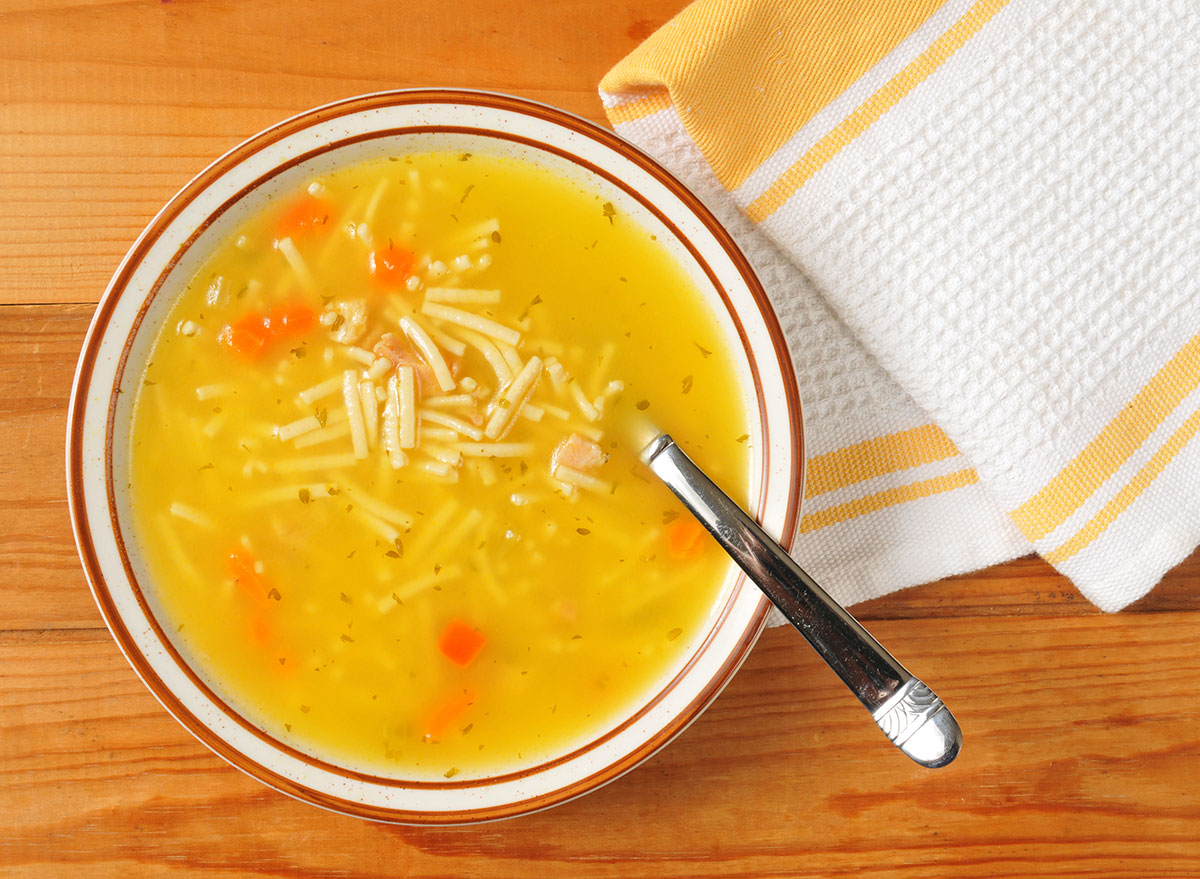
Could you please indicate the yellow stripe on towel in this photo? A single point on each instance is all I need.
(875, 457)
(1127, 495)
(1113, 446)
(732, 101)
(640, 107)
(879, 103)
(889, 498)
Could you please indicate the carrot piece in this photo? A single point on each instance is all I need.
(392, 265)
(248, 335)
(685, 539)
(257, 612)
(304, 215)
(261, 630)
(290, 320)
(448, 711)
(252, 333)
(242, 569)
(460, 643)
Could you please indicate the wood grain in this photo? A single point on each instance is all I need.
(781, 777)
(1082, 755)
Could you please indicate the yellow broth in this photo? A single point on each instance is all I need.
(316, 590)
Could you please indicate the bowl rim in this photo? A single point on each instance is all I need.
(80, 517)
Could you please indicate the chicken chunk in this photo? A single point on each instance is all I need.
(346, 320)
(578, 453)
(402, 353)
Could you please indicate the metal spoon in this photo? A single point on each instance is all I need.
(909, 713)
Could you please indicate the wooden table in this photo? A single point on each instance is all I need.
(1083, 751)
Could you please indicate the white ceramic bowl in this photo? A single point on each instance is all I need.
(170, 249)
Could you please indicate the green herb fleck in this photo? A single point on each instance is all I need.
(496, 236)
(451, 772)
(274, 595)
(584, 531)
(687, 383)
(704, 352)
(466, 193)
(643, 404)
(609, 211)
(305, 495)
(536, 300)
(673, 634)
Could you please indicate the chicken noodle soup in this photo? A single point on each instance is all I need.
(383, 473)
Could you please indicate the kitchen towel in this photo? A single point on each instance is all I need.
(979, 223)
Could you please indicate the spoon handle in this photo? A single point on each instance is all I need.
(909, 713)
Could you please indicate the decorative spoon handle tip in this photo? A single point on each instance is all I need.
(918, 722)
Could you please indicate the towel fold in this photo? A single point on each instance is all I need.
(979, 223)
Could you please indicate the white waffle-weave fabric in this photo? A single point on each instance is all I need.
(979, 223)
